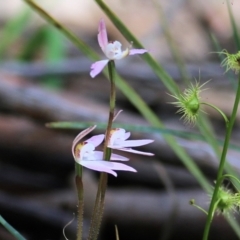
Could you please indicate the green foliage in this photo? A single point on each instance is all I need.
(12, 230)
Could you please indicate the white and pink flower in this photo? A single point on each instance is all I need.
(112, 50)
(84, 153)
(118, 140)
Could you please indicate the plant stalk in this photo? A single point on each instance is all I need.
(222, 163)
(80, 192)
(102, 186)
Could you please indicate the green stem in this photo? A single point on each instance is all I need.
(111, 67)
(222, 162)
(12, 230)
(230, 176)
(200, 208)
(72, 37)
(219, 110)
(79, 186)
(102, 186)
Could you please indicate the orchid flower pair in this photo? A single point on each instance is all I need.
(84, 152)
(112, 50)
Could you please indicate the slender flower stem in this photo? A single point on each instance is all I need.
(219, 110)
(222, 162)
(102, 186)
(79, 186)
(111, 67)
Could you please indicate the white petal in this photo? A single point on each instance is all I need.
(97, 166)
(97, 67)
(114, 157)
(116, 166)
(80, 136)
(106, 166)
(117, 157)
(136, 143)
(137, 51)
(96, 140)
(98, 155)
(127, 135)
(121, 54)
(136, 151)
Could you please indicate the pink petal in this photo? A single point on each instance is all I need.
(96, 140)
(136, 143)
(80, 136)
(97, 67)
(94, 165)
(117, 157)
(137, 51)
(127, 135)
(117, 166)
(98, 155)
(136, 151)
(105, 166)
(114, 157)
(102, 34)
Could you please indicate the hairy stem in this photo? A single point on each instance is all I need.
(222, 163)
(79, 185)
(102, 186)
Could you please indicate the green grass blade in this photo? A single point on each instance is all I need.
(138, 128)
(12, 230)
(53, 52)
(171, 43)
(32, 45)
(232, 78)
(13, 29)
(234, 26)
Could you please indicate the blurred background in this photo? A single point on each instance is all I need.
(45, 78)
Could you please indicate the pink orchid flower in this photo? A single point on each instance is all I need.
(118, 140)
(84, 153)
(112, 50)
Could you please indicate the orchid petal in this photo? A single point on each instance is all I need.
(137, 51)
(102, 34)
(136, 151)
(97, 67)
(117, 157)
(96, 140)
(114, 157)
(98, 155)
(127, 135)
(136, 143)
(96, 165)
(106, 166)
(80, 136)
(115, 166)
(121, 55)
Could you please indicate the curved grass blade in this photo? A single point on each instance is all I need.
(138, 128)
(234, 26)
(12, 30)
(12, 230)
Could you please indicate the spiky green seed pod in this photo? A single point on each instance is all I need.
(232, 61)
(224, 200)
(227, 201)
(189, 103)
